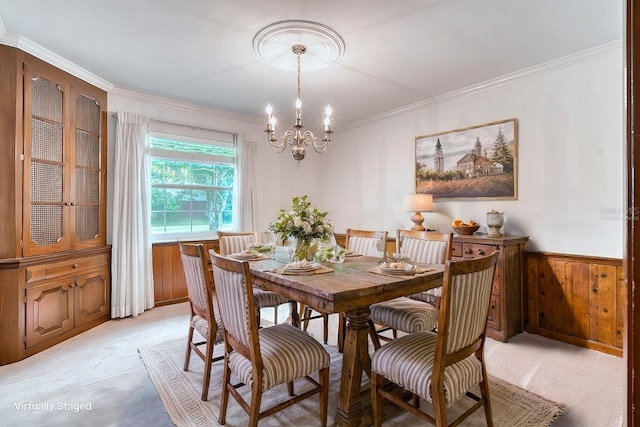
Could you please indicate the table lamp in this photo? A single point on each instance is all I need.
(418, 203)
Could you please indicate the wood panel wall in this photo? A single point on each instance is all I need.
(169, 285)
(576, 299)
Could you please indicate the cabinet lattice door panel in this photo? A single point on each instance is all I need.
(88, 171)
(44, 163)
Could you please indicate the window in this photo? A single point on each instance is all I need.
(193, 177)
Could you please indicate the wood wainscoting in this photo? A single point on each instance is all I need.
(579, 300)
(169, 284)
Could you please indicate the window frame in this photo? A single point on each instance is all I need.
(197, 135)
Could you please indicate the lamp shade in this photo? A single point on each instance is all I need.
(418, 203)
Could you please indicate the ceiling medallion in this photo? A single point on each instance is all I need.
(273, 44)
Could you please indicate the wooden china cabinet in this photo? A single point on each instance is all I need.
(54, 261)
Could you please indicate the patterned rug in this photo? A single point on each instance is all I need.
(180, 394)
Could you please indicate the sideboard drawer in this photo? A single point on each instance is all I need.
(475, 250)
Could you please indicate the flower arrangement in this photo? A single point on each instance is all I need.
(304, 224)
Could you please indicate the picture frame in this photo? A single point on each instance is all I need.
(473, 163)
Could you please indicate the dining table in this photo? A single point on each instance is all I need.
(350, 287)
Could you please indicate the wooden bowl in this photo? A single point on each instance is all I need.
(466, 230)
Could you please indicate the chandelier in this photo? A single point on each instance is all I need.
(298, 139)
(323, 46)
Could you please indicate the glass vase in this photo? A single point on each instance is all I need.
(305, 249)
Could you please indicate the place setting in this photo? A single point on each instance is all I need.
(303, 268)
(398, 268)
(249, 254)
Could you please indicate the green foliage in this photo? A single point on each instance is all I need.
(501, 152)
(190, 196)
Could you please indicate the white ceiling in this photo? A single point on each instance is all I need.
(397, 52)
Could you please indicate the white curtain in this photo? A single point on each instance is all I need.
(248, 212)
(131, 267)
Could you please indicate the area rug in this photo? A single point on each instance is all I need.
(180, 393)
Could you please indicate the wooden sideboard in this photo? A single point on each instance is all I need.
(505, 312)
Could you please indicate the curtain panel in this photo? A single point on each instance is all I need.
(248, 211)
(131, 265)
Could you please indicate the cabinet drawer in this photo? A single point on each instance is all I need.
(456, 249)
(474, 250)
(64, 268)
(493, 320)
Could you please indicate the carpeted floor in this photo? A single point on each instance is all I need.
(180, 394)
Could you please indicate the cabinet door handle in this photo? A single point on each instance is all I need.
(468, 251)
(481, 252)
(74, 266)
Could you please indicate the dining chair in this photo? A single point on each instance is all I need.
(417, 312)
(204, 317)
(367, 243)
(266, 357)
(442, 367)
(235, 242)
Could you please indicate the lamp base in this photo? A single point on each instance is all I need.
(417, 219)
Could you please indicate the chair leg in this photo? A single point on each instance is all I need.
(324, 395)
(224, 398)
(374, 335)
(187, 356)
(254, 407)
(376, 398)
(207, 367)
(290, 388)
(439, 405)
(305, 312)
(342, 323)
(325, 336)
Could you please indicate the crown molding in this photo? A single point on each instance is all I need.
(568, 61)
(180, 105)
(32, 48)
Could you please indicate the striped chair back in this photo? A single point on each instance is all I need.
(232, 243)
(424, 246)
(235, 299)
(368, 243)
(198, 288)
(465, 301)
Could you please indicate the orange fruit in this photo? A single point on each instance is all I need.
(457, 222)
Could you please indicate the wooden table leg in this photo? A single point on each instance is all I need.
(355, 358)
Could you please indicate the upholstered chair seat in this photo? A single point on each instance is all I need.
(286, 354)
(406, 314)
(415, 357)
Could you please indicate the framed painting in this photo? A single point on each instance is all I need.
(478, 162)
